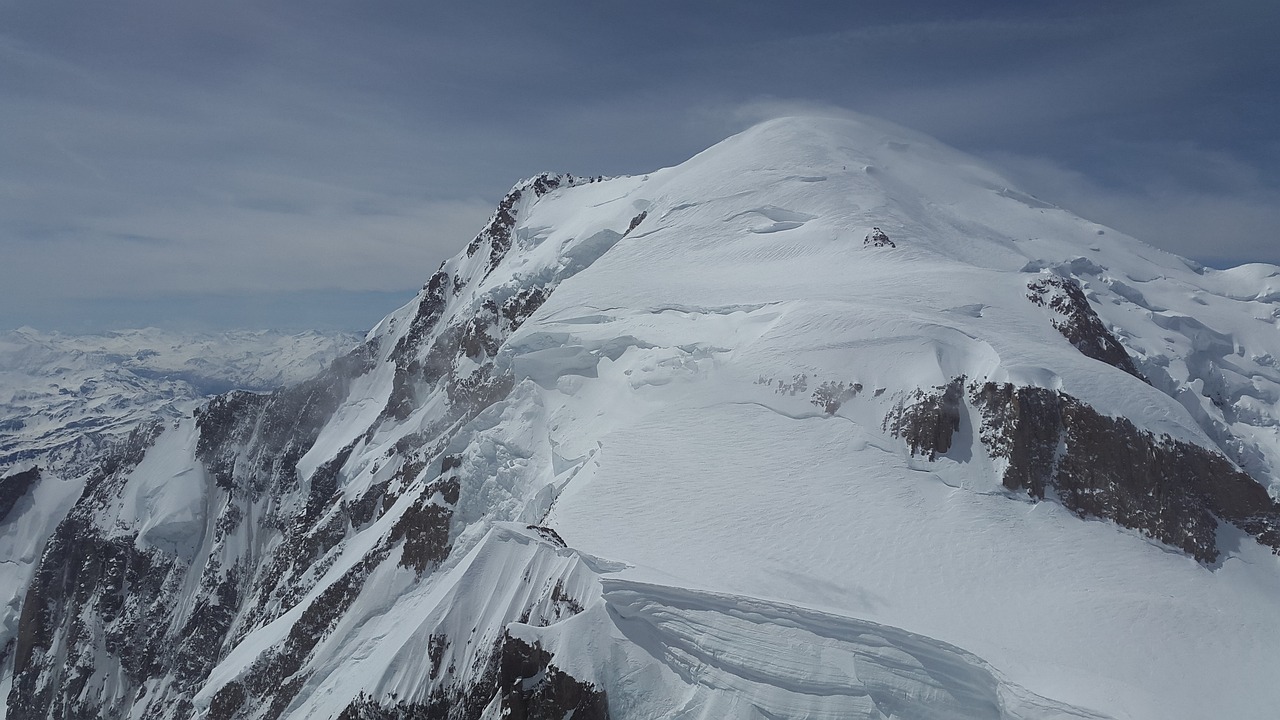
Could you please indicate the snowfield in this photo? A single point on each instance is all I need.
(642, 446)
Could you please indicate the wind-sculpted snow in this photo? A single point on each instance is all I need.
(672, 652)
(749, 657)
(698, 444)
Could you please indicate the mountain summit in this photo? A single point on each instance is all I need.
(698, 444)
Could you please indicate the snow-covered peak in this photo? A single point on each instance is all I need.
(774, 432)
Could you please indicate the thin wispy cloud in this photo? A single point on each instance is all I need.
(150, 149)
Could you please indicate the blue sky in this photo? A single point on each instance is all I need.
(308, 164)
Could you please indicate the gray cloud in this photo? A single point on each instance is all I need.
(150, 149)
(1225, 219)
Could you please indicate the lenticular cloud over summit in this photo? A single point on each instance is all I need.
(828, 421)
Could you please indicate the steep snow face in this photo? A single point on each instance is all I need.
(803, 427)
(68, 400)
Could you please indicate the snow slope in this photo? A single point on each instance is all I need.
(67, 400)
(728, 485)
(679, 446)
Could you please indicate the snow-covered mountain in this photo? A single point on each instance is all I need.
(66, 401)
(60, 392)
(828, 421)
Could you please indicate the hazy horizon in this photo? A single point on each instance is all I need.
(310, 164)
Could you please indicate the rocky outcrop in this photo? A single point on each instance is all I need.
(1100, 466)
(830, 395)
(423, 529)
(927, 420)
(520, 678)
(274, 680)
(1055, 446)
(1078, 323)
(14, 487)
(533, 687)
(877, 238)
(92, 590)
(635, 222)
(497, 233)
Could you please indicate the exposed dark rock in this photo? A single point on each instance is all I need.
(101, 607)
(207, 627)
(516, 309)
(877, 238)
(430, 307)
(830, 395)
(370, 506)
(14, 487)
(274, 681)
(477, 337)
(927, 420)
(534, 689)
(221, 423)
(76, 600)
(450, 462)
(635, 222)
(566, 604)
(480, 389)
(1100, 466)
(1097, 466)
(408, 470)
(1022, 426)
(227, 701)
(282, 425)
(324, 483)
(497, 234)
(436, 647)
(528, 686)
(424, 527)
(548, 534)
(88, 590)
(251, 445)
(1078, 323)
(799, 384)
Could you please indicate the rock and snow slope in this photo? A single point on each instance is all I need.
(692, 445)
(63, 397)
(67, 400)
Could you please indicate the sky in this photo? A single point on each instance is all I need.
(308, 164)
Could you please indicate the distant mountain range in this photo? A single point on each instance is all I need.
(58, 390)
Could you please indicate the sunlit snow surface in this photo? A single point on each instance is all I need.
(747, 555)
(739, 551)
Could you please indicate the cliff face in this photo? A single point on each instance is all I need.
(686, 443)
(69, 403)
(259, 535)
(1051, 444)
